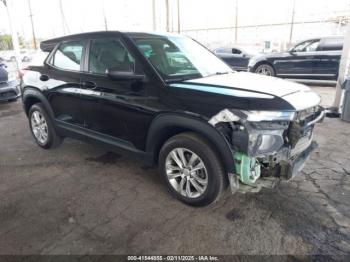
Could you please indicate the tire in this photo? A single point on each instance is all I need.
(52, 139)
(12, 100)
(265, 69)
(191, 144)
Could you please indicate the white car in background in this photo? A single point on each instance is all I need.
(10, 55)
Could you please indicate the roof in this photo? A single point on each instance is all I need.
(49, 45)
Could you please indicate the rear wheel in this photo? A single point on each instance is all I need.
(42, 128)
(265, 69)
(192, 169)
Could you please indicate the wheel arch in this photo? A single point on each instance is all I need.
(167, 125)
(32, 96)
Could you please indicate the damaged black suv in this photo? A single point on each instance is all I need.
(169, 101)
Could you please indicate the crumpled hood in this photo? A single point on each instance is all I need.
(244, 84)
(252, 82)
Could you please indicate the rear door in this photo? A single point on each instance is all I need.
(328, 58)
(61, 77)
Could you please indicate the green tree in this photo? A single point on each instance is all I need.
(6, 42)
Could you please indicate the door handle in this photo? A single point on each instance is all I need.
(88, 85)
(44, 77)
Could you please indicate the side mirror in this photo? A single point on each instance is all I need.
(124, 75)
(291, 51)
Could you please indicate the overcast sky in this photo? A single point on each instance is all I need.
(136, 15)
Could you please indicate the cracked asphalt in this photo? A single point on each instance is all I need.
(80, 199)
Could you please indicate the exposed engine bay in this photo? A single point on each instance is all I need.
(267, 146)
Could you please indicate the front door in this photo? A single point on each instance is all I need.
(300, 61)
(115, 109)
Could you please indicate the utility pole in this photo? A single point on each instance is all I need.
(167, 15)
(292, 23)
(154, 15)
(236, 22)
(178, 16)
(14, 35)
(104, 15)
(344, 70)
(31, 20)
(64, 23)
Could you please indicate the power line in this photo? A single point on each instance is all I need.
(261, 25)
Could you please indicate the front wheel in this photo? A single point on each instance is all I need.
(265, 69)
(192, 169)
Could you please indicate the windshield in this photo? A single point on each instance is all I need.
(180, 58)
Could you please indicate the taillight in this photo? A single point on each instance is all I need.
(21, 74)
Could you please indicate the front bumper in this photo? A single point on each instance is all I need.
(298, 164)
(289, 169)
(9, 90)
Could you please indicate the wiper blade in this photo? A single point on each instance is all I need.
(180, 79)
(218, 73)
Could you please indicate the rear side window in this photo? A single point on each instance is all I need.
(68, 55)
(332, 44)
(109, 54)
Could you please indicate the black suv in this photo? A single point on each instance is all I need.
(311, 59)
(169, 101)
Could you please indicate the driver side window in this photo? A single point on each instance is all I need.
(307, 46)
(109, 54)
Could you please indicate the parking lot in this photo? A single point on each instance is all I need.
(80, 199)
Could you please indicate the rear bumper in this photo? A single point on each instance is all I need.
(10, 90)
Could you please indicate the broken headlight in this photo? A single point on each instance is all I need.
(255, 133)
(257, 116)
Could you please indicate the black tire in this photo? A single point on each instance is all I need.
(53, 139)
(270, 71)
(216, 179)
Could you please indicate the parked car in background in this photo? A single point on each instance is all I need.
(10, 55)
(316, 58)
(9, 86)
(168, 101)
(235, 57)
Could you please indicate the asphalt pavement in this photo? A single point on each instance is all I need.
(81, 199)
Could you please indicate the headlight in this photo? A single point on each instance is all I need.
(256, 116)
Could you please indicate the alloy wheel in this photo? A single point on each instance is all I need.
(39, 127)
(264, 70)
(186, 172)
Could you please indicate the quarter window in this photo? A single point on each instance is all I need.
(109, 54)
(68, 55)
